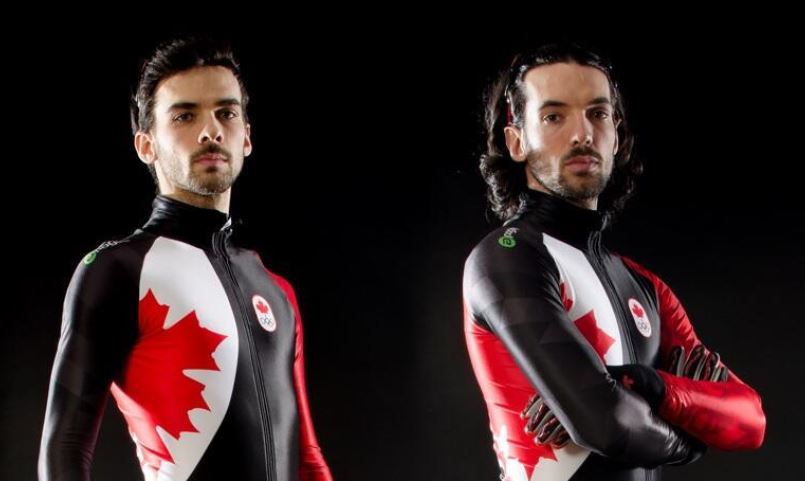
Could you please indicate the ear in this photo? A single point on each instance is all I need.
(247, 141)
(515, 143)
(617, 137)
(144, 145)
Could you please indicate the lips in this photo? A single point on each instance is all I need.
(211, 158)
(582, 163)
(582, 160)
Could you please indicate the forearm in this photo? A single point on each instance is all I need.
(725, 415)
(72, 420)
(596, 412)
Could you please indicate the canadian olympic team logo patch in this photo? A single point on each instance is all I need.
(640, 317)
(264, 314)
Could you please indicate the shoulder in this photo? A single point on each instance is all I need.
(514, 246)
(642, 271)
(282, 282)
(113, 264)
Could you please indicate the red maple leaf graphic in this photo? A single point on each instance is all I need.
(600, 340)
(519, 447)
(543, 451)
(566, 301)
(155, 391)
(637, 311)
(263, 308)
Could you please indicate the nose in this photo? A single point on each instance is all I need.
(582, 132)
(211, 131)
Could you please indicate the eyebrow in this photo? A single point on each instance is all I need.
(601, 100)
(194, 105)
(556, 103)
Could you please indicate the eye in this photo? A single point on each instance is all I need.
(183, 117)
(601, 114)
(227, 114)
(551, 118)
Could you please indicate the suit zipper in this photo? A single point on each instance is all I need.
(610, 287)
(265, 411)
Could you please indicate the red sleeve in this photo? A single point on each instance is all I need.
(725, 415)
(312, 466)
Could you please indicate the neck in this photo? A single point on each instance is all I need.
(590, 203)
(219, 202)
(578, 226)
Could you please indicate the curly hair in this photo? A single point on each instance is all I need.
(505, 103)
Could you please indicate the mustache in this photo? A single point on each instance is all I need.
(578, 151)
(211, 149)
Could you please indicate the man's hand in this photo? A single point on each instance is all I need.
(644, 380)
(698, 366)
(543, 423)
(641, 379)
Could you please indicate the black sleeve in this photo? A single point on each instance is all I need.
(514, 292)
(99, 326)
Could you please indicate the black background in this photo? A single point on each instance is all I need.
(364, 191)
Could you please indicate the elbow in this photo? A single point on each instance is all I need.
(63, 461)
(755, 427)
(745, 429)
(44, 461)
(760, 434)
(42, 470)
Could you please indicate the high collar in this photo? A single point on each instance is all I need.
(559, 218)
(185, 222)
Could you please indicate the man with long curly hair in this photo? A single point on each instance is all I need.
(588, 364)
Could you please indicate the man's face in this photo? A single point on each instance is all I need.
(199, 136)
(569, 138)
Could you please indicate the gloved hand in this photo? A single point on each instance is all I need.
(698, 366)
(543, 424)
(641, 379)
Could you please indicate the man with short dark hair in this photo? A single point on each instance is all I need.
(199, 344)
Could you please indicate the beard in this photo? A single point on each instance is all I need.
(572, 186)
(197, 178)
